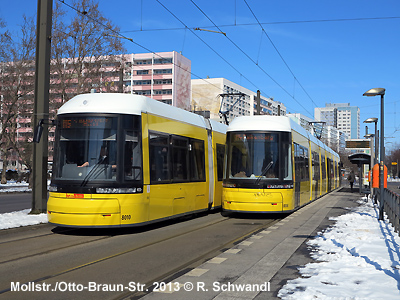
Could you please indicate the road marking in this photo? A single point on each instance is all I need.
(233, 251)
(197, 272)
(217, 260)
(257, 237)
(245, 243)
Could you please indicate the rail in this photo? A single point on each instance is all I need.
(391, 206)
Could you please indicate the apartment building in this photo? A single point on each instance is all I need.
(163, 76)
(342, 116)
(221, 94)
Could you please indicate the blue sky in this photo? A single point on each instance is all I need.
(336, 50)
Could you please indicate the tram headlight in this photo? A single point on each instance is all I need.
(52, 188)
(117, 190)
(229, 185)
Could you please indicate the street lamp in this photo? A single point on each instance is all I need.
(371, 93)
(370, 136)
(374, 120)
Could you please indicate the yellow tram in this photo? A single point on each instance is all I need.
(128, 160)
(274, 165)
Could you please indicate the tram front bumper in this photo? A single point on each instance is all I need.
(78, 210)
(252, 200)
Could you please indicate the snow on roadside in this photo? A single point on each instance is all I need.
(20, 218)
(357, 258)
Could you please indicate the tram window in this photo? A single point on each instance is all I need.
(197, 160)
(220, 161)
(132, 156)
(301, 163)
(159, 162)
(316, 166)
(287, 166)
(323, 167)
(180, 151)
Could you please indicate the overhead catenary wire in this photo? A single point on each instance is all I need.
(251, 59)
(216, 52)
(274, 23)
(280, 55)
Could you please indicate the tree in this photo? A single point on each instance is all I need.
(393, 157)
(82, 50)
(17, 87)
(84, 56)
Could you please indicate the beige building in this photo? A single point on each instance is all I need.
(220, 94)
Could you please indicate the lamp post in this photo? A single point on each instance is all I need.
(374, 120)
(371, 93)
(370, 136)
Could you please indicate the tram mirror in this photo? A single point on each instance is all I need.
(38, 131)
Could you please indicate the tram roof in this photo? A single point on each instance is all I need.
(133, 105)
(273, 123)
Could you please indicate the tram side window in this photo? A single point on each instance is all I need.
(159, 162)
(220, 161)
(132, 156)
(316, 167)
(180, 151)
(176, 158)
(323, 167)
(197, 162)
(301, 163)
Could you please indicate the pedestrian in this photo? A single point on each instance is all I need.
(351, 179)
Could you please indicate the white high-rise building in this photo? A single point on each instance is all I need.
(342, 116)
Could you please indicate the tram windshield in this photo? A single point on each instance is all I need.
(259, 156)
(86, 149)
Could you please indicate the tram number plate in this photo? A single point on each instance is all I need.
(126, 217)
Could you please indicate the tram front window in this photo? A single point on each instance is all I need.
(87, 149)
(258, 156)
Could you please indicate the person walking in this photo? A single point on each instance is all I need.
(351, 179)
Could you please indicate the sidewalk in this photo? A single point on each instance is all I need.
(262, 263)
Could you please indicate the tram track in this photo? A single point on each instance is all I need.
(212, 251)
(169, 276)
(37, 280)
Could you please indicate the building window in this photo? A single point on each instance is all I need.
(163, 61)
(163, 71)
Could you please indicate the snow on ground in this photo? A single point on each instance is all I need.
(20, 218)
(12, 186)
(357, 258)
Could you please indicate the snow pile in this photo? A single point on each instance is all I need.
(357, 258)
(20, 218)
(12, 186)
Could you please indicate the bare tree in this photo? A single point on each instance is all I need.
(83, 49)
(84, 56)
(393, 157)
(17, 87)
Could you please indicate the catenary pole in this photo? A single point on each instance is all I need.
(41, 104)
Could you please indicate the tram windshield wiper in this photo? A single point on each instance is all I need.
(94, 172)
(266, 169)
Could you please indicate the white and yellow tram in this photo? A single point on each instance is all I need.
(274, 165)
(128, 160)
